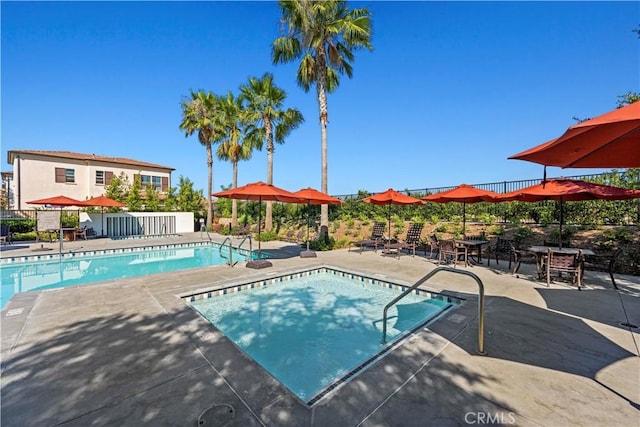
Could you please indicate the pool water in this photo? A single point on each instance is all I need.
(30, 276)
(311, 332)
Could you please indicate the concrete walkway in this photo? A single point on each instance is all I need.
(130, 352)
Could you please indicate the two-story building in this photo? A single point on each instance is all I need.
(40, 174)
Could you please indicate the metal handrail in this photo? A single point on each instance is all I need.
(204, 228)
(230, 250)
(427, 277)
(248, 236)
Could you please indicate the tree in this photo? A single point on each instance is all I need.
(199, 115)
(233, 147)
(323, 35)
(151, 198)
(134, 198)
(268, 121)
(188, 199)
(118, 189)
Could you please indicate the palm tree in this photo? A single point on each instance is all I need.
(233, 146)
(323, 35)
(199, 115)
(267, 120)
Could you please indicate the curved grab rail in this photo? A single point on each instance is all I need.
(429, 276)
(230, 262)
(248, 236)
(204, 228)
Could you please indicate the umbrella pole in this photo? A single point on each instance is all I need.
(464, 219)
(561, 220)
(308, 222)
(308, 253)
(259, 263)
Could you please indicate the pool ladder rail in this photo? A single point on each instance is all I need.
(228, 240)
(222, 246)
(429, 276)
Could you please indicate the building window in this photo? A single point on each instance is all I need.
(66, 175)
(99, 177)
(156, 181)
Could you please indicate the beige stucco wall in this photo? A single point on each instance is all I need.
(34, 178)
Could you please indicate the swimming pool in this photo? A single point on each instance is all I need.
(316, 329)
(82, 269)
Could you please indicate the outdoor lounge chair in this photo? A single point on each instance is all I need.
(411, 241)
(376, 239)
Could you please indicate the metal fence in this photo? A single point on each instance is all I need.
(498, 187)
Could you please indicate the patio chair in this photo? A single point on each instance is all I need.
(5, 234)
(503, 247)
(450, 251)
(80, 233)
(411, 241)
(432, 244)
(376, 239)
(562, 262)
(603, 262)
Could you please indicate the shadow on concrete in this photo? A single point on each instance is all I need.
(538, 337)
(609, 307)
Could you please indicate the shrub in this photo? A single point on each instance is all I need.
(322, 245)
(522, 233)
(496, 230)
(442, 228)
(267, 236)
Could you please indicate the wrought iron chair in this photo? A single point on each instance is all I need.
(603, 262)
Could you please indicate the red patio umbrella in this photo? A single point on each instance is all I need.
(259, 191)
(103, 202)
(568, 190)
(314, 197)
(464, 194)
(392, 197)
(611, 140)
(60, 201)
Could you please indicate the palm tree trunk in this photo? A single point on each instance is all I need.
(268, 218)
(209, 185)
(324, 119)
(234, 202)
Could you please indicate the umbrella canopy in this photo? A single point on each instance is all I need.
(60, 201)
(259, 191)
(392, 197)
(103, 202)
(314, 197)
(611, 140)
(57, 201)
(464, 194)
(568, 190)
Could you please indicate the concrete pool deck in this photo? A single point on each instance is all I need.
(130, 352)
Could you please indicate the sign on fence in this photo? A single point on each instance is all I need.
(48, 220)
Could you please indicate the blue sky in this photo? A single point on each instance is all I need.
(451, 90)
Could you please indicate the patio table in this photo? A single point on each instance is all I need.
(472, 245)
(541, 251)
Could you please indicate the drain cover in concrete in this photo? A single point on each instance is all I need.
(217, 416)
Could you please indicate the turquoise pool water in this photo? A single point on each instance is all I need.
(30, 276)
(312, 332)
